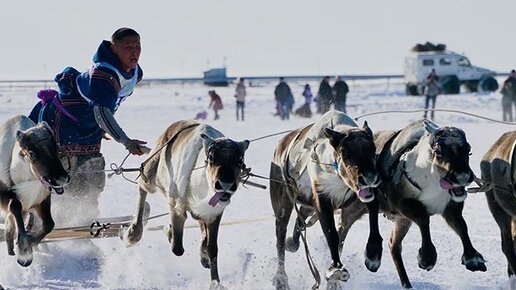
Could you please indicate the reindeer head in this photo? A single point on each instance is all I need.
(39, 148)
(450, 157)
(224, 165)
(356, 159)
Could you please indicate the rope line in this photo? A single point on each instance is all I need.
(119, 169)
(435, 110)
(270, 135)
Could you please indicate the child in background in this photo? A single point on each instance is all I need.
(304, 110)
(215, 103)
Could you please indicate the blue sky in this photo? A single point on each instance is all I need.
(184, 38)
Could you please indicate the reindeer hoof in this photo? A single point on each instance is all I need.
(178, 250)
(215, 285)
(280, 281)
(475, 263)
(337, 274)
(292, 245)
(427, 258)
(372, 265)
(24, 261)
(205, 262)
(373, 256)
(132, 234)
(333, 285)
(24, 255)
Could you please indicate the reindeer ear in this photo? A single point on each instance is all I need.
(20, 137)
(243, 145)
(45, 124)
(207, 140)
(430, 126)
(368, 130)
(334, 136)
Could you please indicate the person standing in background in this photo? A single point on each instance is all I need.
(509, 97)
(340, 90)
(305, 110)
(307, 93)
(215, 103)
(281, 94)
(431, 89)
(240, 94)
(325, 95)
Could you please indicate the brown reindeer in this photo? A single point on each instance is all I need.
(424, 172)
(31, 169)
(198, 170)
(323, 167)
(498, 169)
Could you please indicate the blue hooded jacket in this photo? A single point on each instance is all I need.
(105, 84)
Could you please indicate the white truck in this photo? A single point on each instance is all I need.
(454, 70)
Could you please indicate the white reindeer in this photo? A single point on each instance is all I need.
(30, 170)
(198, 170)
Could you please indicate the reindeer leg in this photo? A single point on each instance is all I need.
(10, 230)
(292, 243)
(43, 211)
(336, 271)
(472, 259)
(135, 231)
(398, 233)
(205, 259)
(282, 206)
(348, 216)
(373, 252)
(213, 231)
(416, 212)
(22, 242)
(175, 234)
(504, 222)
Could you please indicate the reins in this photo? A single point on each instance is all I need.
(434, 110)
(291, 193)
(119, 169)
(302, 228)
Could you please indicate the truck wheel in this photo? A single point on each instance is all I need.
(411, 90)
(470, 86)
(487, 84)
(450, 85)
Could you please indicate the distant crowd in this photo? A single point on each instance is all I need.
(336, 95)
(327, 96)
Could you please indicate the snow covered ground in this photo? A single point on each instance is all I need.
(247, 252)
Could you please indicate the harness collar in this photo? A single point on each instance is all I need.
(409, 179)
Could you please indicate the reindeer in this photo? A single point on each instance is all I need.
(498, 171)
(424, 172)
(198, 170)
(30, 170)
(323, 167)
